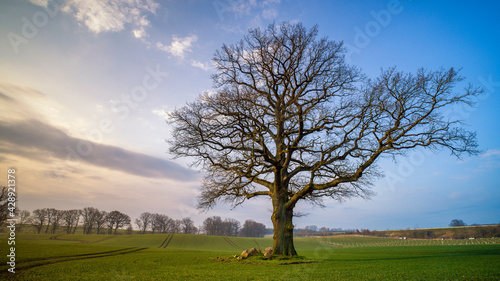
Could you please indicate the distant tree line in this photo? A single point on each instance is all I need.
(457, 230)
(160, 223)
(477, 231)
(313, 230)
(91, 220)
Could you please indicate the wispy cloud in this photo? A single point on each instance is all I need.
(490, 153)
(35, 139)
(269, 14)
(109, 15)
(160, 112)
(490, 159)
(18, 102)
(179, 46)
(205, 66)
(43, 3)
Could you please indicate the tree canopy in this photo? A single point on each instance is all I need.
(290, 120)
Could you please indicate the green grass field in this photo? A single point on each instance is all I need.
(191, 257)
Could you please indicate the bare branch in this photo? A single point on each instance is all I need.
(290, 120)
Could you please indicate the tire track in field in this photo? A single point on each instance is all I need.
(74, 256)
(103, 239)
(168, 242)
(56, 237)
(79, 257)
(164, 241)
(231, 242)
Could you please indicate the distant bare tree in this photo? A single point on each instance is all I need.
(187, 225)
(176, 226)
(130, 229)
(117, 220)
(311, 229)
(216, 226)
(231, 227)
(38, 219)
(457, 222)
(213, 225)
(57, 216)
(4, 204)
(168, 225)
(101, 218)
(89, 215)
(253, 229)
(162, 223)
(323, 230)
(23, 218)
(51, 212)
(156, 222)
(71, 218)
(144, 221)
(140, 225)
(291, 121)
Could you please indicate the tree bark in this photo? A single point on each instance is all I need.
(282, 228)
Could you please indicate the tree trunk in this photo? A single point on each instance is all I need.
(76, 224)
(283, 230)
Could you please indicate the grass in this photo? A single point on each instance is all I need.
(192, 257)
(360, 241)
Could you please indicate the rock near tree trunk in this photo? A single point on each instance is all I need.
(248, 253)
(268, 253)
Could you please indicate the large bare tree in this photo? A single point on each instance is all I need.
(290, 120)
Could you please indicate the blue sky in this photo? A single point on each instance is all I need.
(84, 86)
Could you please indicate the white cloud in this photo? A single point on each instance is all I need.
(247, 7)
(42, 3)
(112, 15)
(490, 159)
(139, 33)
(163, 113)
(269, 14)
(205, 66)
(491, 152)
(179, 46)
(270, 2)
(244, 7)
